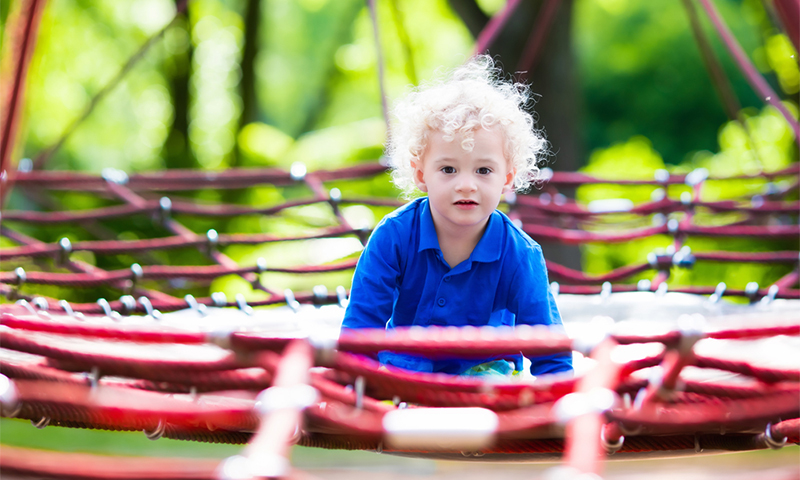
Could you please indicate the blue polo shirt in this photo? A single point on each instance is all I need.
(402, 280)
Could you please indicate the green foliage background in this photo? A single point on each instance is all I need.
(647, 105)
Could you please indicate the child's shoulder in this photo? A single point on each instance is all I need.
(516, 238)
(406, 214)
(398, 226)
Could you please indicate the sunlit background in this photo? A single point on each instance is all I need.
(303, 86)
(267, 83)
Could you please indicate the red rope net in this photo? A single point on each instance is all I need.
(693, 374)
(125, 365)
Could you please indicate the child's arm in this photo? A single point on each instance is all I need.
(375, 280)
(533, 304)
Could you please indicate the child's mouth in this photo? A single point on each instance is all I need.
(466, 204)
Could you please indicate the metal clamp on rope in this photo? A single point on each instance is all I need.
(164, 209)
(241, 302)
(136, 275)
(157, 432)
(335, 197)
(201, 309)
(128, 304)
(42, 305)
(298, 171)
(611, 448)
(219, 299)
(20, 276)
(148, 308)
(66, 249)
(9, 398)
(469, 429)
(261, 265)
(107, 309)
(718, 293)
(605, 292)
(93, 377)
(25, 165)
(673, 226)
(341, 296)
(661, 175)
(280, 398)
(113, 175)
(659, 261)
(770, 296)
(770, 441)
(683, 258)
(68, 309)
(320, 295)
(696, 177)
(290, 300)
(212, 237)
(41, 423)
(751, 291)
(24, 303)
(555, 289)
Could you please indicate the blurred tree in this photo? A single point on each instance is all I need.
(178, 67)
(271, 82)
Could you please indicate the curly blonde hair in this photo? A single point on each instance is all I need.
(472, 96)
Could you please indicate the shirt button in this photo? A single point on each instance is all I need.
(441, 302)
(446, 279)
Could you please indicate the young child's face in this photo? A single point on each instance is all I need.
(464, 187)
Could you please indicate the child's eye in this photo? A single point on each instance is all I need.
(448, 170)
(484, 171)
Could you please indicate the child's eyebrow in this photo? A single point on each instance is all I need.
(492, 161)
(443, 160)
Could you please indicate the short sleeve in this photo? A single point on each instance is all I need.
(532, 303)
(375, 280)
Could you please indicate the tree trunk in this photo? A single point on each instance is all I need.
(176, 151)
(247, 85)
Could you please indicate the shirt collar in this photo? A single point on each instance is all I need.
(427, 232)
(488, 247)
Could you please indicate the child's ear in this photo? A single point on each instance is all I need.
(419, 179)
(509, 185)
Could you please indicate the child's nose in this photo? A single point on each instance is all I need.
(466, 183)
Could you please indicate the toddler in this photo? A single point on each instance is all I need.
(452, 258)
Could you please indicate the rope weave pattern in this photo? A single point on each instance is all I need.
(547, 217)
(79, 370)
